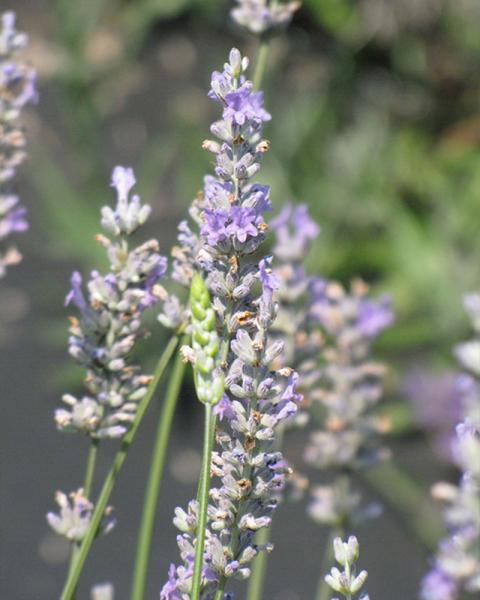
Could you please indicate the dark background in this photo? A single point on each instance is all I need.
(375, 125)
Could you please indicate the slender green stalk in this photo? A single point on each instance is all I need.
(87, 490)
(157, 465)
(261, 63)
(73, 577)
(221, 589)
(323, 589)
(259, 568)
(203, 500)
(90, 469)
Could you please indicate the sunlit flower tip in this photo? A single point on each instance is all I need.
(123, 179)
(102, 591)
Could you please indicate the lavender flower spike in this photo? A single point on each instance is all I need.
(75, 515)
(346, 582)
(248, 470)
(262, 16)
(456, 565)
(348, 392)
(17, 88)
(110, 321)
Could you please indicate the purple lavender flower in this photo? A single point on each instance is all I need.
(261, 16)
(110, 321)
(215, 229)
(438, 586)
(258, 398)
(17, 88)
(435, 401)
(294, 230)
(456, 566)
(268, 279)
(375, 316)
(242, 223)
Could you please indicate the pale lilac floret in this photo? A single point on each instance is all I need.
(76, 295)
(268, 279)
(223, 409)
(436, 585)
(294, 230)
(375, 316)
(242, 223)
(244, 105)
(12, 219)
(215, 227)
(259, 198)
(123, 179)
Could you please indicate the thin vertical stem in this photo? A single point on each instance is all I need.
(261, 63)
(203, 501)
(74, 575)
(90, 469)
(152, 491)
(221, 589)
(87, 490)
(259, 567)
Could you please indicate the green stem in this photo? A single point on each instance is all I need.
(221, 589)
(155, 477)
(87, 489)
(261, 63)
(203, 501)
(404, 494)
(323, 589)
(259, 567)
(73, 577)
(90, 469)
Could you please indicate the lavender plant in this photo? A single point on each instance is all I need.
(256, 399)
(102, 340)
(348, 393)
(456, 565)
(346, 582)
(17, 88)
(110, 321)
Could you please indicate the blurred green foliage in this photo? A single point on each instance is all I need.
(376, 125)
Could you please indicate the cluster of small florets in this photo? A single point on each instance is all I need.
(17, 88)
(456, 566)
(256, 399)
(103, 337)
(294, 231)
(347, 582)
(74, 516)
(262, 16)
(328, 335)
(349, 390)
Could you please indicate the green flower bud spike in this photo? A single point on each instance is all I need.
(210, 385)
(209, 380)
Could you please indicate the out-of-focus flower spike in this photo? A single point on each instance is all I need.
(17, 88)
